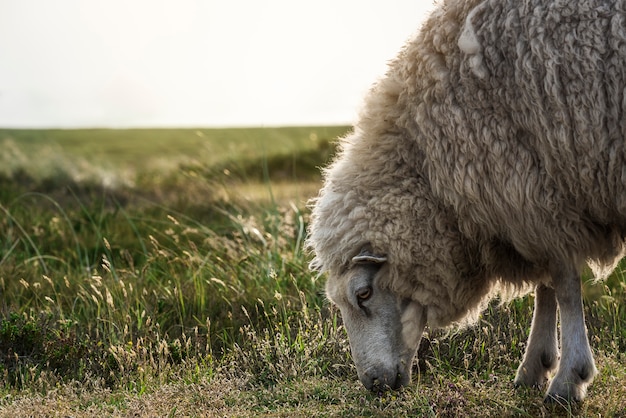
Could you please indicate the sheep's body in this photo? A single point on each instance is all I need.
(490, 157)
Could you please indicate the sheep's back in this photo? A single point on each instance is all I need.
(524, 135)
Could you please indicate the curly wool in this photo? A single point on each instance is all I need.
(491, 154)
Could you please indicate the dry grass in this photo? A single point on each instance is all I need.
(430, 395)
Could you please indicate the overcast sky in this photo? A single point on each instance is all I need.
(130, 63)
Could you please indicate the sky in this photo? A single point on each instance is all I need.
(200, 63)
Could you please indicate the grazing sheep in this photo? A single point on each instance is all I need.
(490, 158)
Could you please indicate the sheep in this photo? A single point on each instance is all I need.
(488, 162)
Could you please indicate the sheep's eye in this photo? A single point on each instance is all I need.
(364, 294)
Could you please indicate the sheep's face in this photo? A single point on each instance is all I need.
(384, 329)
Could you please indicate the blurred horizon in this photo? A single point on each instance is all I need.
(71, 64)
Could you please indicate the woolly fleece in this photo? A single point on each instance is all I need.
(490, 155)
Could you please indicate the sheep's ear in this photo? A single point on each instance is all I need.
(367, 257)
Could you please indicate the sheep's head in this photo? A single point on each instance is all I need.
(384, 329)
(381, 238)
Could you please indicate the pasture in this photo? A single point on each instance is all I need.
(162, 273)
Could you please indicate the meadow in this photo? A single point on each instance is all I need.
(162, 273)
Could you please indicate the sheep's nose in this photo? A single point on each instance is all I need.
(384, 382)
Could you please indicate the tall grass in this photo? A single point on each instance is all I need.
(95, 283)
(73, 264)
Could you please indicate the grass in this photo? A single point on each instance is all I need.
(146, 151)
(161, 273)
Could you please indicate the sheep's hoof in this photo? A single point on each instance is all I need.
(565, 394)
(570, 385)
(535, 377)
(522, 381)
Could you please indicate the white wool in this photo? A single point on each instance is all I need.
(491, 153)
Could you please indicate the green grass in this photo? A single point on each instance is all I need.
(161, 273)
(148, 150)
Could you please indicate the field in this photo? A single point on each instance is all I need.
(162, 273)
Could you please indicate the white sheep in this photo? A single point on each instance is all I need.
(490, 158)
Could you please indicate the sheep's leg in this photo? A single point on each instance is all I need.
(577, 368)
(542, 351)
